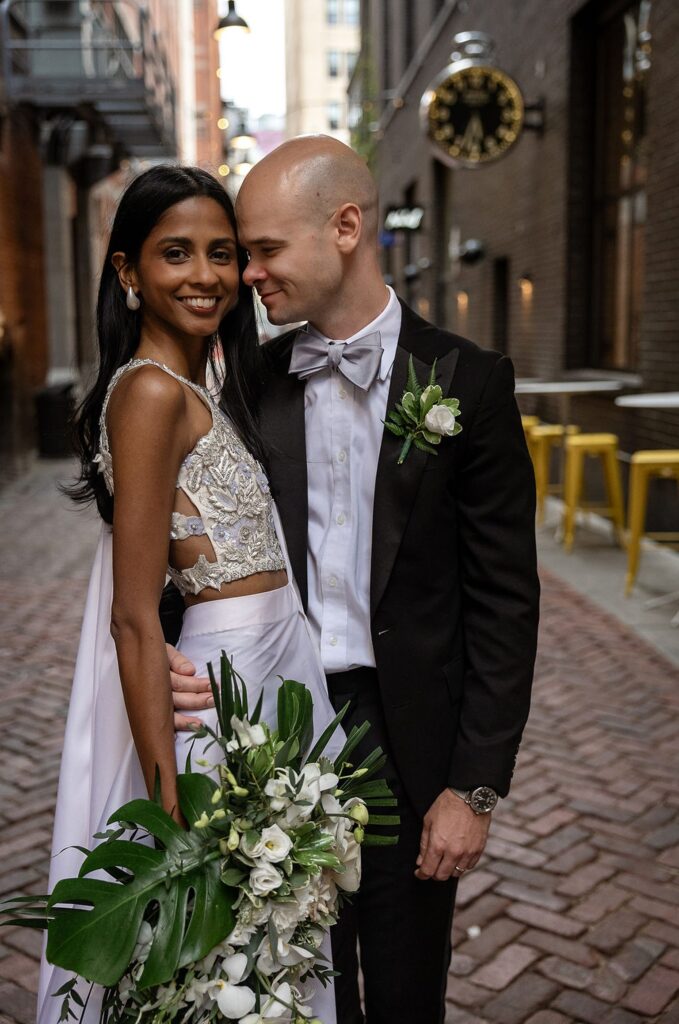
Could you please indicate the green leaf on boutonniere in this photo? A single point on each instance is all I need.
(424, 447)
(423, 417)
(414, 385)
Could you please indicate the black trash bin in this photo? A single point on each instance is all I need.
(54, 405)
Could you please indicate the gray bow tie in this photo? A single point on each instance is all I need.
(359, 361)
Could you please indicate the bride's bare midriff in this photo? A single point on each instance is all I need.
(258, 583)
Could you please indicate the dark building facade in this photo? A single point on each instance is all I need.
(83, 88)
(564, 252)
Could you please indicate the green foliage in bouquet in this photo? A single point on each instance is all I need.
(189, 892)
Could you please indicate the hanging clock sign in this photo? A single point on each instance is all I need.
(473, 113)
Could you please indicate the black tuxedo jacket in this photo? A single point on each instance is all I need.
(454, 588)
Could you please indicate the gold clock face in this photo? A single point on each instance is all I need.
(474, 115)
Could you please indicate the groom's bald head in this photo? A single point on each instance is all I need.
(316, 174)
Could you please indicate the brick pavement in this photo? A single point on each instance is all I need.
(573, 915)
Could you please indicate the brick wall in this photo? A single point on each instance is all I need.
(530, 207)
(23, 354)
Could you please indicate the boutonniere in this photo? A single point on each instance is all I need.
(423, 417)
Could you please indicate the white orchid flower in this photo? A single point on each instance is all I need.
(235, 966)
(349, 879)
(144, 943)
(276, 845)
(234, 1001)
(314, 783)
(200, 992)
(248, 735)
(275, 1006)
(276, 789)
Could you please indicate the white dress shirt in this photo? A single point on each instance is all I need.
(344, 429)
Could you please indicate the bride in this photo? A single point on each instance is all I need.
(179, 483)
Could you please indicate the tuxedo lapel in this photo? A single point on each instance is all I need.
(396, 486)
(282, 420)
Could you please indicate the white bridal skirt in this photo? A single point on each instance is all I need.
(266, 636)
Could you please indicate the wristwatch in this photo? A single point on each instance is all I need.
(482, 800)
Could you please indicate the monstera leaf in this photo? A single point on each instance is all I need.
(178, 882)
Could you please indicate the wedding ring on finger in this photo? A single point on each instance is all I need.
(459, 869)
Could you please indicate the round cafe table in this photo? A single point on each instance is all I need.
(652, 400)
(566, 389)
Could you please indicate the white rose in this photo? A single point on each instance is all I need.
(248, 735)
(286, 915)
(276, 845)
(252, 845)
(264, 879)
(440, 420)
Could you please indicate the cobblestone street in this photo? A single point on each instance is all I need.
(573, 915)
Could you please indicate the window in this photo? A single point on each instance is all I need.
(622, 60)
(333, 63)
(332, 11)
(352, 12)
(352, 57)
(333, 112)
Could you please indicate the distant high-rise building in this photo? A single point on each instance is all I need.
(322, 40)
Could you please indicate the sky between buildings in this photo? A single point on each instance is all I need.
(253, 74)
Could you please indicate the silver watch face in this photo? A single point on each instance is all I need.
(483, 799)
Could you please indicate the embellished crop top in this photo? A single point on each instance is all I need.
(229, 490)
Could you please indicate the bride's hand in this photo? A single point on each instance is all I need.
(189, 692)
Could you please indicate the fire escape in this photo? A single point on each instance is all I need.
(96, 62)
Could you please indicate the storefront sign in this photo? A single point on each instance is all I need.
(407, 218)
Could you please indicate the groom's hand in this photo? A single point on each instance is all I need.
(452, 837)
(189, 692)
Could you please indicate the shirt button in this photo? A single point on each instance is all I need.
(342, 456)
(342, 393)
(341, 519)
(332, 581)
(333, 641)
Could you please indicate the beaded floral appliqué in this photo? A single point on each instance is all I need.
(231, 495)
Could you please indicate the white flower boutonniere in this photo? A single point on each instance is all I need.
(423, 416)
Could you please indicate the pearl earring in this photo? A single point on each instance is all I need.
(132, 301)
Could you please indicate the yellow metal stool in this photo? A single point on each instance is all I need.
(541, 440)
(529, 421)
(645, 464)
(605, 447)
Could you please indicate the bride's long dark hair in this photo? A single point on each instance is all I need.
(118, 329)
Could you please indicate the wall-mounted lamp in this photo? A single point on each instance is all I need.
(525, 283)
(462, 299)
(223, 123)
(224, 170)
(231, 20)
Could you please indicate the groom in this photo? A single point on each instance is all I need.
(419, 579)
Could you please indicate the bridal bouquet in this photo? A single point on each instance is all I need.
(223, 921)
